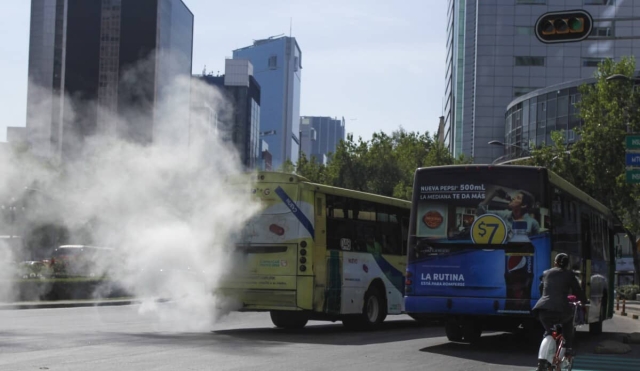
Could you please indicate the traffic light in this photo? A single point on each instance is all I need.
(564, 27)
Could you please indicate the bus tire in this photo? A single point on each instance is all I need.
(453, 330)
(374, 311)
(288, 319)
(595, 328)
(471, 331)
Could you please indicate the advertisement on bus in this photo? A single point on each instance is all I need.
(479, 236)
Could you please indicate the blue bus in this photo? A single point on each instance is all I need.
(480, 237)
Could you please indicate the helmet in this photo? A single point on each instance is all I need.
(562, 260)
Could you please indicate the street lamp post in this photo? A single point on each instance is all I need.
(499, 143)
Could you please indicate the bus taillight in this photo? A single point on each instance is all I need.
(276, 229)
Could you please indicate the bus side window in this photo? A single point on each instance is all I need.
(338, 227)
(393, 242)
(405, 232)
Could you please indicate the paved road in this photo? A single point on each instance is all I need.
(119, 338)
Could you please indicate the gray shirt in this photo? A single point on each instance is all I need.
(556, 284)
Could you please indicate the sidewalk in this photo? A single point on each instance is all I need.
(631, 307)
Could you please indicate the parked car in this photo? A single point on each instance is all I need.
(80, 260)
(33, 269)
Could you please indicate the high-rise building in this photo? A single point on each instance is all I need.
(277, 67)
(239, 121)
(493, 56)
(90, 59)
(320, 136)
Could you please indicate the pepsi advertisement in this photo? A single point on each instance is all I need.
(480, 237)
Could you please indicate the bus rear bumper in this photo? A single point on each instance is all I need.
(468, 306)
(260, 300)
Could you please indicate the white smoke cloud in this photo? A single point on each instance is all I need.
(168, 209)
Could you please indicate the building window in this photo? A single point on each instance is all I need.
(524, 30)
(522, 90)
(591, 62)
(273, 62)
(536, 2)
(530, 61)
(599, 2)
(602, 31)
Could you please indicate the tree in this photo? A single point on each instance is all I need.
(596, 163)
(347, 168)
(311, 169)
(287, 167)
(556, 156)
(608, 109)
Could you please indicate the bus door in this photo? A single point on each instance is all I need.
(585, 256)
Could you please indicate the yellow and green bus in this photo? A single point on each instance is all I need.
(317, 252)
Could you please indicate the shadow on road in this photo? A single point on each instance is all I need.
(501, 349)
(518, 349)
(336, 334)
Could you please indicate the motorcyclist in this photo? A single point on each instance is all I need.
(553, 307)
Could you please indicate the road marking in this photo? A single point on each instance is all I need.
(605, 363)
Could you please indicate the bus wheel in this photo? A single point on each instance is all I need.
(288, 319)
(453, 330)
(595, 328)
(471, 332)
(374, 311)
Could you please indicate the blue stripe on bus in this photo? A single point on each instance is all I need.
(295, 210)
(394, 275)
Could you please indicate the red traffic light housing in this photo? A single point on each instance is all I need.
(564, 26)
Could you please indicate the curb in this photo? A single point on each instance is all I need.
(66, 304)
(631, 311)
(77, 303)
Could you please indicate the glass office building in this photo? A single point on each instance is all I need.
(320, 136)
(277, 68)
(107, 56)
(531, 118)
(493, 56)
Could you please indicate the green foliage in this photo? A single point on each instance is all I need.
(596, 163)
(628, 292)
(607, 108)
(383, 165)
(287, 167)
(557, 157)
(311, 169)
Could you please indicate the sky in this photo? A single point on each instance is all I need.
(379, 64)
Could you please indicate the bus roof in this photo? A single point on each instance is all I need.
(576, 192)
(270, 176)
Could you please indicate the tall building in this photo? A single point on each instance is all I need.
(492, 50)
(320, 136)
(239, 121)
(89, 59)
(277, 67)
